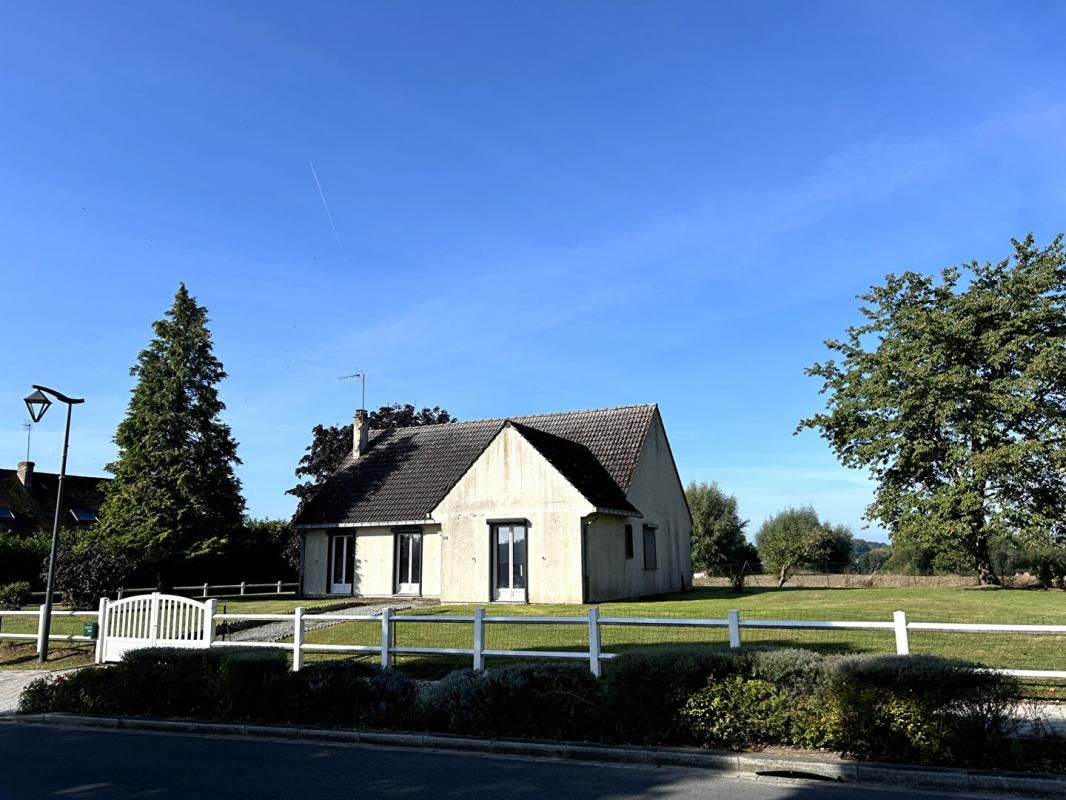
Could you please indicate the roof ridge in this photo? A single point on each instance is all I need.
(524, 416)
(37, 472)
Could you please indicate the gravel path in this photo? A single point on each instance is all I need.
(13, 681)
(275, 631)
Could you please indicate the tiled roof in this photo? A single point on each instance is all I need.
(406, 472)
(34, 508)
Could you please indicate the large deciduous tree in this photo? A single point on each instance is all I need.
(718, 541)
(174, 494)
(953, 396)
(790, 539)
(330, 444)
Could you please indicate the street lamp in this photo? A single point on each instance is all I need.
(38, 403)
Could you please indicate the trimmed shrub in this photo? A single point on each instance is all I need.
(86, 571)
(21, 555)
(921, 709)
(645, 692)
(352, 694)
(737, 713)
(14, 596)
(551, 701)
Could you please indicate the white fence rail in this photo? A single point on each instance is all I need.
(207, 620)
(208, 589)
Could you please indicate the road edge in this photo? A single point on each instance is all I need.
(746, 764)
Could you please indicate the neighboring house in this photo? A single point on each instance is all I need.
(575, 507)
(28, 499)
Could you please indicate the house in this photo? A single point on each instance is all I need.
(581, 506)
(28, 499)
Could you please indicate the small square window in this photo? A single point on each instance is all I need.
(83, 514)
(6, 513)
(650, 556)
(629, 541)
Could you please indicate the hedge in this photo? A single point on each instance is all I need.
(915, 709)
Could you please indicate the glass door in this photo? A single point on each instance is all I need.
(341, 552)
(409, 563)
(509, 563)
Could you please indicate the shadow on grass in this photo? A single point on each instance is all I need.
(23, 655)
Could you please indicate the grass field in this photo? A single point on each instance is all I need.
(921, 604)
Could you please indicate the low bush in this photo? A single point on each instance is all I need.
(920, 709)
(351, 694)
(168, 682)
(14, 596)
(737, 713)
(550, 701)
(645, 692)
(917, 709)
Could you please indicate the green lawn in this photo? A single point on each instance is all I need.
(921, 604)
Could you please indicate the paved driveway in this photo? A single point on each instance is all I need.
(11, 683)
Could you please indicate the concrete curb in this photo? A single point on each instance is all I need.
(747, 764)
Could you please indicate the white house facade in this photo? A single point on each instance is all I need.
(575, 507)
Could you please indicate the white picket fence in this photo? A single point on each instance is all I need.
(173, 621)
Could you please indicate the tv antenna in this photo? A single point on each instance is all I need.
(360, 376)
(28, 427)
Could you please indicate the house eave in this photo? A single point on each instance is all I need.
(374, 524)
(618, 512)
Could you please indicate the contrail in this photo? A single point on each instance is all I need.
(325, 205)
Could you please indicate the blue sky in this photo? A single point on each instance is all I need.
(538, 207)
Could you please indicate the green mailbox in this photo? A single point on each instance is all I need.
(90, 629)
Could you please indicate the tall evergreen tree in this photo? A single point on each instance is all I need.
(175, 494)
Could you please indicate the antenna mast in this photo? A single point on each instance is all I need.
(28, 425)
(360, 376)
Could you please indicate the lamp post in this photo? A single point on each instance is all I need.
(38, 403)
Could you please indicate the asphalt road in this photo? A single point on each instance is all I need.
(53, 762)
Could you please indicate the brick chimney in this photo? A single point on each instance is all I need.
(26, 473)
(360, 428)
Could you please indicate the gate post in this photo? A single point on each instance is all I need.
(279, 587)
(101, 630)
(209, 622)
(40, 629)
(205, 590)
(243, 584)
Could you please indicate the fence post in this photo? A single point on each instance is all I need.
(40, 630)
(101, 630)
(594, 642)
(298, 639)
(479, 639)
(205, 590)
(209, 622)
(386, 637)
(903, 645)
(734, 628)
(243, 584)
(120, 591)
(279, 587)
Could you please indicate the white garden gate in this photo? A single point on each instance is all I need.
(154, 620)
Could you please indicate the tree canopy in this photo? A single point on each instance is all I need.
(718, 541)
(330, 444)
(174, 493)
(953, 395)
(790, 539)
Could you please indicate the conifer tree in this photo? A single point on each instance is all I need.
(174, 493)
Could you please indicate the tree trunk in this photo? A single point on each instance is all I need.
(782, 577)
(986, 573)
